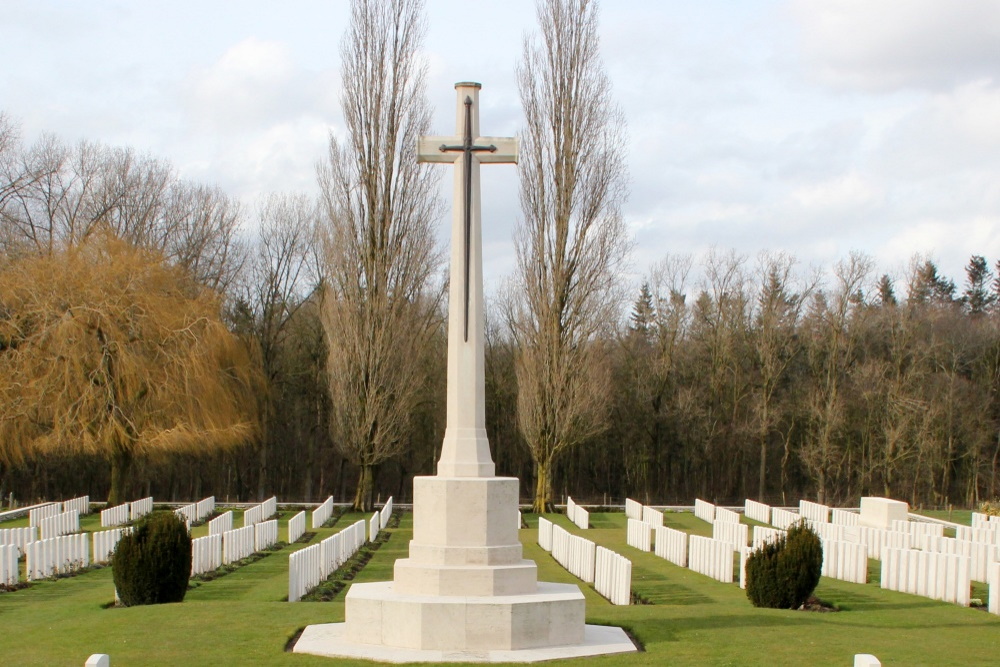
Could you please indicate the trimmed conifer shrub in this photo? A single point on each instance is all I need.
(784, 573)
(152, 564)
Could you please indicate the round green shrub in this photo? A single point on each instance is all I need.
(784, 573)
(152, 564)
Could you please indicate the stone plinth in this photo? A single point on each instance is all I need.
(465, 540)
(881, 512)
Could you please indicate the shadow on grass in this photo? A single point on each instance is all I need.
(602, 521)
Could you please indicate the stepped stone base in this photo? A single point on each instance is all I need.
(547, 625)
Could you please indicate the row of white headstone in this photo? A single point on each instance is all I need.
(55, 555)
(36, 515)
(577, 514)
(105, 542)
(322, 514)
(261, 512)
(140, 508)
(114, 516)
(198, 511)
(58, 555)
(842, 560)
(81, 505)
(935, 575)
(379, 520)
(985, 533)
(221, 523)
(18, 537)
(915, 556)
(573, 552)
(613, 576)
(580, 557)
(312, 565)
(58, 525)
(386, 513)
(296, 527)
(214, 550)
(119, 515)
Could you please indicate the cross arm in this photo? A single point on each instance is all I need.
(506, 151)
(429, 149)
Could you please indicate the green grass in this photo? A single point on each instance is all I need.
(241, 618)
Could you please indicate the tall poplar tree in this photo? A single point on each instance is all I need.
(380, 303)
(571, 242)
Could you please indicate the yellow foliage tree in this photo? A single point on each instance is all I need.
(107, 349)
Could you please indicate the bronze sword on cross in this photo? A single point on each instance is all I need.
(464, 147)
(467, 147)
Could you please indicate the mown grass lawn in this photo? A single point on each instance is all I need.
(241, 618)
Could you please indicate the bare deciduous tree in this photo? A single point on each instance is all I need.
(831, 353)
(53, 195)
(572, 241)
(380, 308)
(775, 345)
(106, 349)
(270, 293)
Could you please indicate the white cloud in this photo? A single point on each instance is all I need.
(882, 45)
(953, 131)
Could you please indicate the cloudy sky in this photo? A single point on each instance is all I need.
(806, 126)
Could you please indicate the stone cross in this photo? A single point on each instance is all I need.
(465, 452)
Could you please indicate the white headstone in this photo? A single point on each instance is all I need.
(881, 512)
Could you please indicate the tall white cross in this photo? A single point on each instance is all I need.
(466, 449)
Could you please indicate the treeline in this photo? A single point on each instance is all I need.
(757, 384)
(753, 382)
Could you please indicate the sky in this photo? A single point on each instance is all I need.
(809, 127)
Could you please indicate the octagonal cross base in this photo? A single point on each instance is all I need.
(551, 616)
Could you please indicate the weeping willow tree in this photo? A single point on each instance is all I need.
(106, 349)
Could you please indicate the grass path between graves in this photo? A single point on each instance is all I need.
(240, 619)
